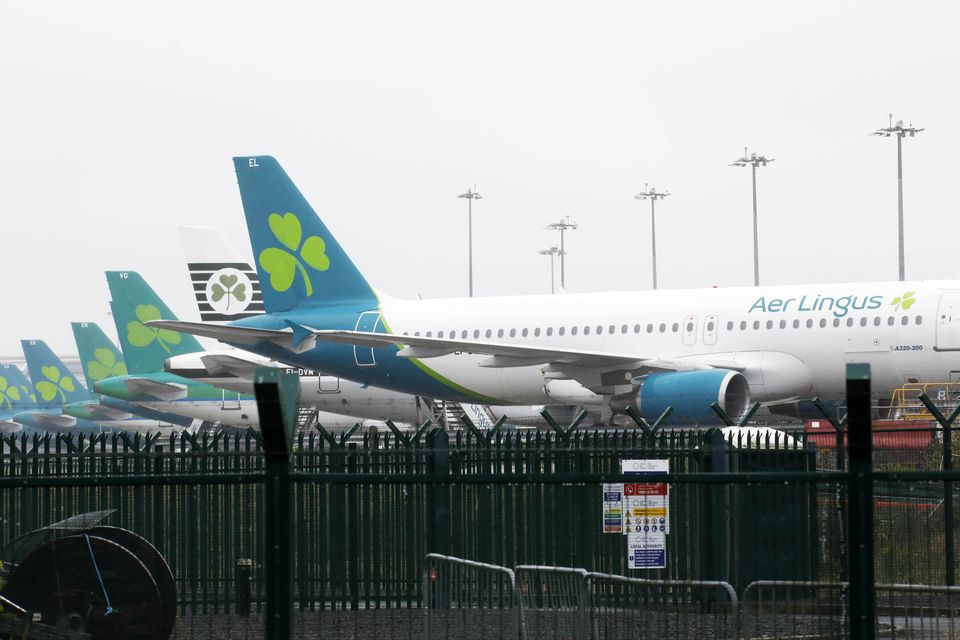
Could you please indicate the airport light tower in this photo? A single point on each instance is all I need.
(900, 132)
(753, 161)
(651, 194)
(562, 226)
(470, 195)
(552, 251)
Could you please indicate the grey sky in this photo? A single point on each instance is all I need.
(118, 124)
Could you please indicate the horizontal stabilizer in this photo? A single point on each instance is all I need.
(219, 364)
(56, 420)
(165, 391)
(237, 335)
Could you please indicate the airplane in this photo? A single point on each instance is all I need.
(16, 395)
(55, 387)
(645, 350)
(102, 359)
(218, 272)
(145, 350)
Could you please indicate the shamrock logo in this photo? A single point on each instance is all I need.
(283, 265)
(8, 394)
(26, 392)
(140, 335)
(229, 285)
(105, 365)
(905, 301)
(55, 383)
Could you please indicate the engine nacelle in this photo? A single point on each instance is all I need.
(690, 393)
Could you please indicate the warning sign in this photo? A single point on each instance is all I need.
(646, 550)
(646, 505)
(612, 508)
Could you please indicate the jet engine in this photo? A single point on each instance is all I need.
(690, 393)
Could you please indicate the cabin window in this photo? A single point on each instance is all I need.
(743, 325)
(573, 330)
(463, 334)
(904, 320)
(769, 324)
(524, 332)
(406, 333)
(890, 321)
(730, 326)
(536, 332)
(783, 324)
(636, 328)
(809, 323)
(676, 327)
(500, 333)
(476, 333)
(919, 319)
(836, 322)
(623, 329)
(611, 329)
(756, 325)
(863, 322)
(489, 333)
(689, 326)
(876, 321)
(549, 331)
(586, 330)
(823, 323)
(796, 324)
(513, 332)
(663, 327)
(416, 333)
(649, 328)
(439, 334)
(849, 322)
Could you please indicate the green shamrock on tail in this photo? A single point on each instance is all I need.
(904, 302)
(140, 335)
(228, 287)
(8, 394)
(55, 383)
(283, 265)
(105, 365)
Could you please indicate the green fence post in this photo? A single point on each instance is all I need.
(277, 392)
(438, 495)
(860, 496)
(947, 425)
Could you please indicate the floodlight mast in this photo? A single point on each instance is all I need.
(552, 251)
(470, 195)
(651, 194)
(900, 132)
(753, 161)
(562, 226)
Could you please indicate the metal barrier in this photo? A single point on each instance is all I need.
(785, 609)
(556, 602)
(466, 599)
(777, 609)
(918, 611)
(632, 607)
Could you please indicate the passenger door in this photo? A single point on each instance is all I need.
(948, 322)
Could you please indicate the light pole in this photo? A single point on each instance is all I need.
(552, 251)
(753, 161)
(652, 195)
(562, 226)
(901, 132)
(470, 195)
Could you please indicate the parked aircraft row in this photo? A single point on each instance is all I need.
(370, 356)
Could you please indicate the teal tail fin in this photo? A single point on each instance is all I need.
(298, 259)
(98, 355)
(133, 303)
(54, 383)
(16, 392)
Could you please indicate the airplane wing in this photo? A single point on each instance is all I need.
(298, 342)
(103, 412)
(165, 391)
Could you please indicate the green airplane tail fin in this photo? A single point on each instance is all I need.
(16, 392)
(135, 303)
(54, 383)
(98, 355)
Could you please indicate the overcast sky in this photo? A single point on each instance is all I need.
(118, 123)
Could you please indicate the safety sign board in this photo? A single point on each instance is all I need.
(646, 505)
(647, 550)
(613, 508)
